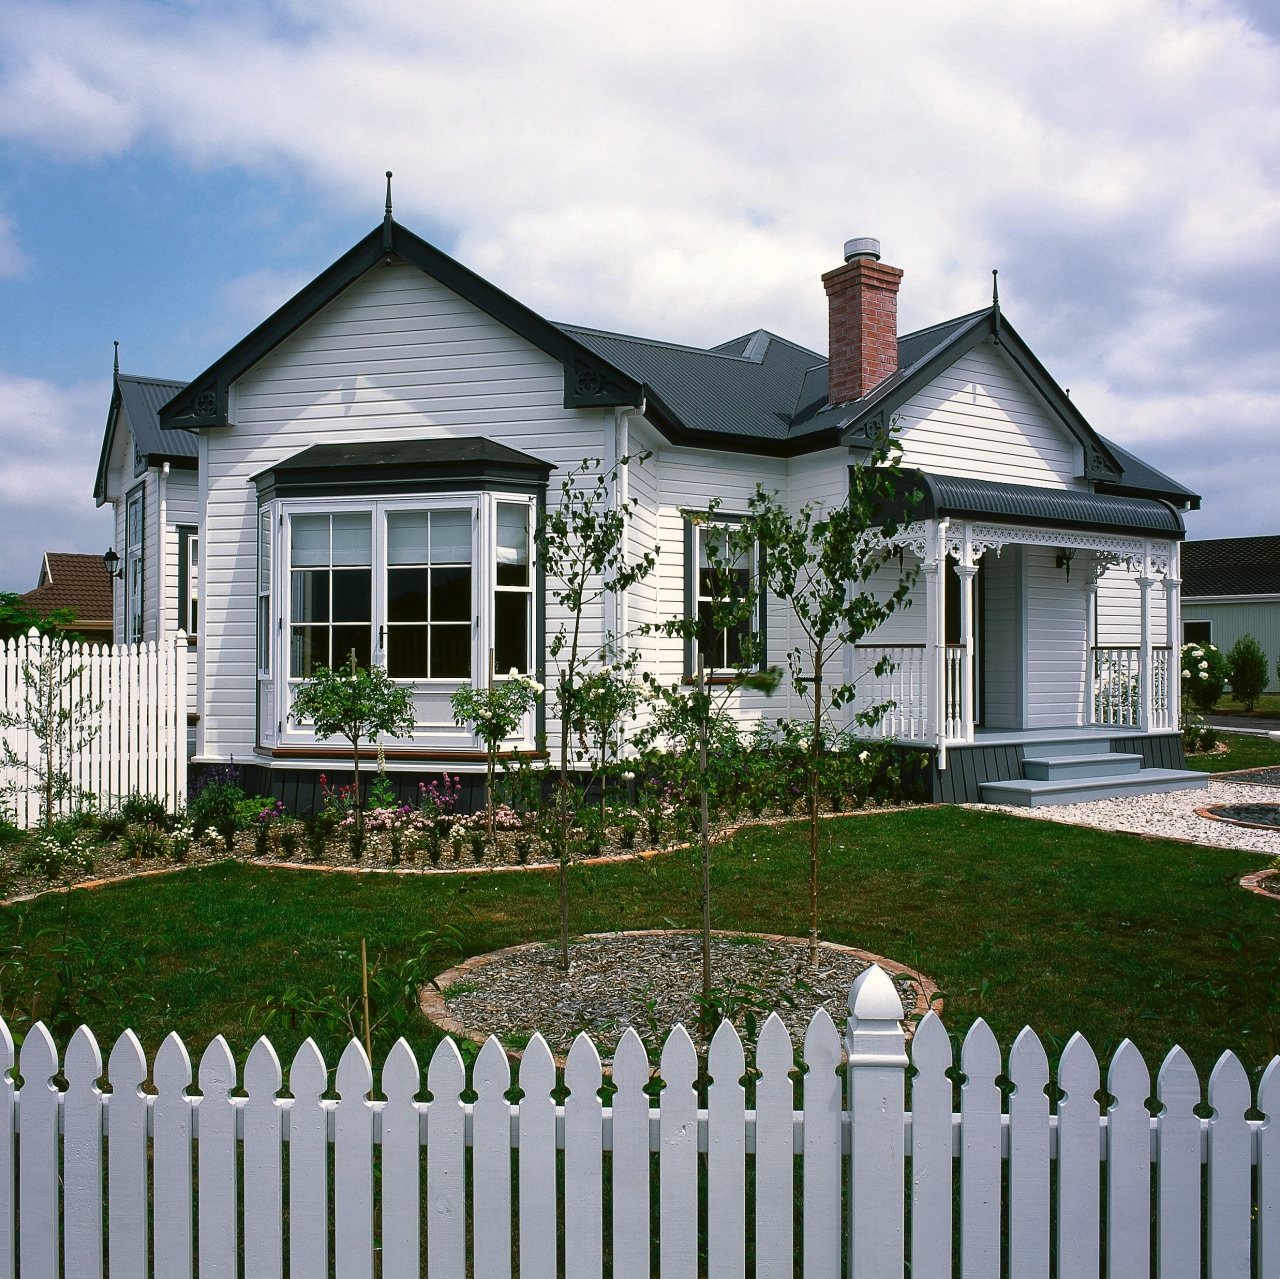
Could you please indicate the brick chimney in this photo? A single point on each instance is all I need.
(862, 297)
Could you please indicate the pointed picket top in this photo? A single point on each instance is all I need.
(1028, 1061)
(492, 1069)
(537, 1068)
(1177, 1084)
(127, 1065)
(931, 1045)
(630, 1061)
(822, 1047)
(726, 1061)
(1078, 1070)
(446, 1074)
(582, 1073)
(980, 1054)
(679, 1057)
(355, 1074)
(217, 1069)
(84, 1059)
(1268, 1092)
(262, 1074)
(39, 1059)
(308, 1075)
(874, 997)
(774, 1050)
(401, 1077)
(173, 1066)
(1128, 1076)
(1229, 1093)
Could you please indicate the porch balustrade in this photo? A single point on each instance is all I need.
(1117, 687)
(903, 687)
(1162, 687)
(956, 657)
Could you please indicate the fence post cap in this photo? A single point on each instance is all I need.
(33, 633)
(874, 997)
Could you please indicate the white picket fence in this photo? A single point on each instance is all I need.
(204, 1180)
(134, 703)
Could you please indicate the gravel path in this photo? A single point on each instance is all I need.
(1172, 814)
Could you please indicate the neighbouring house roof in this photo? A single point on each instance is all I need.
(79, 582)
(1231, 566)
(137, 401)
(1051, 507)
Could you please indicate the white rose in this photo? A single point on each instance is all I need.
(513, 671)
(1204, 674)
(1186, 674)
(1204, 666)
(628, 777)
(864, 756)
(1197, 652)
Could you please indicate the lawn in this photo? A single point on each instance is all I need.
(1245, 750)
(1019, 920)
(1267, 706)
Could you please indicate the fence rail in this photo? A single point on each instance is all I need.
(297, 1184)
(128, 710)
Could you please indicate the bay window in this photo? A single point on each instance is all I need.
(330, 590)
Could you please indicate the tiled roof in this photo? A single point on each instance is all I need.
(1231, 566)
(73, 581)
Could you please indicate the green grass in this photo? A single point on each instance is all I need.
(1267, 706)
(1019, 920)
(1246, 750)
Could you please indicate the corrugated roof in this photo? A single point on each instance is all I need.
(79, 582)
(141, 398)
(1231, 566)
(1140, 478)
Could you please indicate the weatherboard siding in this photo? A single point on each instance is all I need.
(979, 419)
(1001, 676)
(1056, 638)
(396, 356)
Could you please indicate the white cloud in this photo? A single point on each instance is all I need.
(689, 170)
(13, 261)
(50, 437)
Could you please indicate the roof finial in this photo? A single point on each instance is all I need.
(995, 302)
(116, 364)
(388, 195)
(388, 225)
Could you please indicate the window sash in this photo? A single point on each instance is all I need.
(721, 650)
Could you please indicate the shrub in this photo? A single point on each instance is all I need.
(289, 838)
(144, 810)
(111, 826)
(53, 855)
(9, 833)
(1204, 675)
(215, 807)
(1247, 671)
(143, 842)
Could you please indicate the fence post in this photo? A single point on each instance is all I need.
(877, 1070)
(182, 655)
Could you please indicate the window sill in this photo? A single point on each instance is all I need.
(716, 681)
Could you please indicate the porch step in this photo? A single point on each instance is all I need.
(1055, 767)
(1030, 793)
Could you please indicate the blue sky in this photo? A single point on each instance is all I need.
(169, 173)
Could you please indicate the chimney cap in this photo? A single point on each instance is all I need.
(864, 246)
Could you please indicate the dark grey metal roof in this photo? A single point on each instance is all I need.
(138, 401)
(1231, 566)
(1139, 478)
(1027, 504)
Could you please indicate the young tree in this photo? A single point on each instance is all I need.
(607, 699)
(58, 716)
(582, 548)
(827, 565)
(1247, 671)
(359, 703)
(693, 720)
(494, 713)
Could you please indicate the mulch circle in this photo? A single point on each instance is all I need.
(647, 980)
(1258, 816)
(1267, 775)
(1266, 883)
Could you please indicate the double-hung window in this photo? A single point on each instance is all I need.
(513, 589)
(723, 572)
(133, 568)
(427, 633)
(330, 591)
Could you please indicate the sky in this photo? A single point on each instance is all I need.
(686, 169)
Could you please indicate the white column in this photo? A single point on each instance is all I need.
(1091, 639)
(967, 570)
(1145, 583)
(1173, 633)
(935, 581)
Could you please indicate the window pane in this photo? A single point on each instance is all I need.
(264, 632)
(450, 594)
(511, 631)
(352, 595)
(407, 537)
(451, 537)
(407, 595)
(308, 648)
(346, 638)
(407, 652)
(310, 595)
(309, 540)
(353, 538)
(133, 534)
(451, 652)
(513, 544)
(264, 552)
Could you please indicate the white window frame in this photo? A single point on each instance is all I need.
(728, 523)
(435, 732)
(135, 592)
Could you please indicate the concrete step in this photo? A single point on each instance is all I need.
(1052, 768)
(1030, 793)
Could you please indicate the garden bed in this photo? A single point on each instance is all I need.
(650, 981)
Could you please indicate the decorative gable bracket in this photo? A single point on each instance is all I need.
(591, 385)
(202, 404)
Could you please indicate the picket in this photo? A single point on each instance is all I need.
(60, 1140)
(726, 1155)
(308, 1164)
(446, 1164)
(130, 701)
(1230, 1171)
(583, 1147)
(932, 1161)
(401, 1165)
(82, 1158)
(1178, 1169)
(263, 1165)
(980, 1155)
(630, 1159)
(1128, 1164)
(775, 1158)
(491, 1161)
(678, 1158)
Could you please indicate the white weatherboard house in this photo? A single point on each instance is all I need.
(373, 457)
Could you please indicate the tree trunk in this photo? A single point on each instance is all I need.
(355, 798)
(814, 780)
(492, 752)
(706, 837)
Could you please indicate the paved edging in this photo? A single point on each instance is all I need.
(434, 1008)
(1253, 882)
